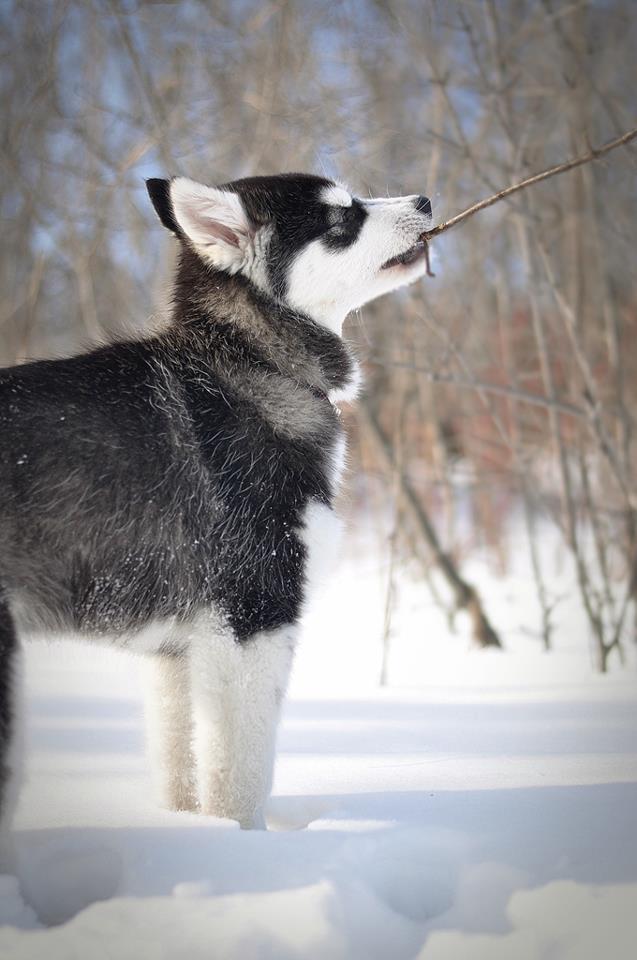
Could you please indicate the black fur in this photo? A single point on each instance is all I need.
(159, 193)
(143, 480)
(344, 232)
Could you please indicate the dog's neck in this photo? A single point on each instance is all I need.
(217, 311)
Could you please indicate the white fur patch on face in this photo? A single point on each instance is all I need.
(328, 283)
(336, 197)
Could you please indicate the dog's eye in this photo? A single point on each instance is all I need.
(339, 218)
(344, 225)
(345, 219)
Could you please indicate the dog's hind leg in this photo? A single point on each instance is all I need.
(237, 689)
(11, 730)
(169, 731)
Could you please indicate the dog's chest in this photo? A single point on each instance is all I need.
(270, 528)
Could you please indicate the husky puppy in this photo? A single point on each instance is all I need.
(172, 496)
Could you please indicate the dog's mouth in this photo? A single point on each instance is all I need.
(419, 251)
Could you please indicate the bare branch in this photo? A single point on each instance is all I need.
(593, 154)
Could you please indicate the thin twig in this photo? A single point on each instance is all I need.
(593, 154)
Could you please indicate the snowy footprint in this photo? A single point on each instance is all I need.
(13, 910)
(412, 872)
(63, 876)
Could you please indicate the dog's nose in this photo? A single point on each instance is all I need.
(423, 205)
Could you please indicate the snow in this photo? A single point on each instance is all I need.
(484, 805)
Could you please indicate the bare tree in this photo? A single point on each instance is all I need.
(516, 360)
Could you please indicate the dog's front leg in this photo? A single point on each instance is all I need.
(237, 689)
(169, 731)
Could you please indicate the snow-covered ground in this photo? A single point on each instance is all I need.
(484, 805)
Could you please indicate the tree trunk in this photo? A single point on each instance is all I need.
(466, 596)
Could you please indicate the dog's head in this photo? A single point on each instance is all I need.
(302, 239)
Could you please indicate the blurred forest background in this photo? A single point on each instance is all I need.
(505, 388)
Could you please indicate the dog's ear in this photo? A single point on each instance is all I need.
(212, 219)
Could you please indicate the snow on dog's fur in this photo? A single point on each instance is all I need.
(173, 495)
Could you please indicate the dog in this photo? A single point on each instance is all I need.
(173, 495)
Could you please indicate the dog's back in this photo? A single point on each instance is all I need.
(86, 472)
